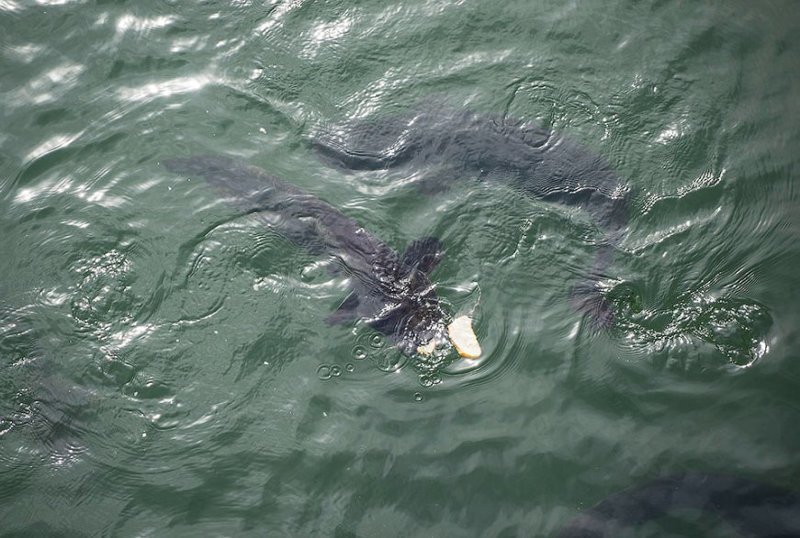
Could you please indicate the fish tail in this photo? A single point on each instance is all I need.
(245, 185)
(587, 296)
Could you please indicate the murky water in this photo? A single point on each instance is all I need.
(167, 368)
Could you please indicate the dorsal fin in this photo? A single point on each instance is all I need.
(347, 311)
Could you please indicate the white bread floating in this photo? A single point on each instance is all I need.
(463, 337)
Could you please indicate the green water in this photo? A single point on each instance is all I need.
(166, 368)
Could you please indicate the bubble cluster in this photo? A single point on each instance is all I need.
(374, 347)
(324, 372)
(327, 371)
(430, 380)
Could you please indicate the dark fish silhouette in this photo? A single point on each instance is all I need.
(450, 145)
(392, 293)
(755, 509)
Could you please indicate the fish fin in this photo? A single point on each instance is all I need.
(589, 300)
(346, 312)
(423, 254)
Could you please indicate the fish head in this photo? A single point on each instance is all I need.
(416, 321)
(430, 336)
(412, 315)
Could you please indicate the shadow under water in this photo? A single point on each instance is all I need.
(753, 508)
(451, 144)
(393, 293)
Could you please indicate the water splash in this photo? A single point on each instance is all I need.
(736, 328)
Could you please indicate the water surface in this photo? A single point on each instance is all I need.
(166, 368)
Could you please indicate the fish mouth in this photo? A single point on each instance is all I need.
(439, 344)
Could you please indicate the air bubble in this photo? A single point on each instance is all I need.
(336, 370)
(350, 367)
(426, 381)
(359, 353)
(418, 397)
(376, 341)
(324, 372)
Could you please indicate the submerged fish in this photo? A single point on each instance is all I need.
(754, 508)
(453, 144)
(393, 293)
(450, 144)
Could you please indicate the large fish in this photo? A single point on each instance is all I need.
(446, 145)
(753, 508)
(393, 293)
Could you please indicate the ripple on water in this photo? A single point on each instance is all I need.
(372, 347)
(103, 294)
(735, 328)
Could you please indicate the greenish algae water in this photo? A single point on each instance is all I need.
(166, 367)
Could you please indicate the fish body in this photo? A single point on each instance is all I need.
(392, 292)
(443, 145)
(452, 144)
(754, 508)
